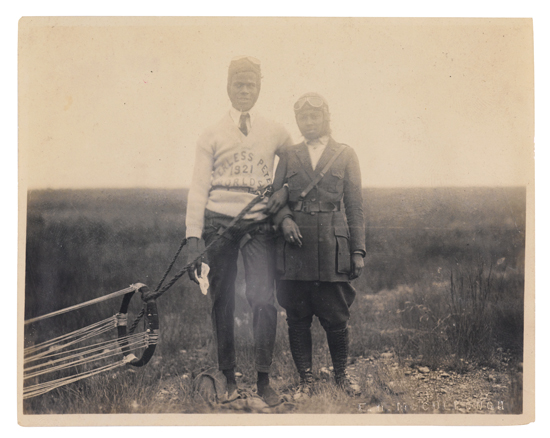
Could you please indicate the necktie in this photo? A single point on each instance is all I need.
(242, 123)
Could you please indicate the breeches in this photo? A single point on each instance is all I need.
(329, 301)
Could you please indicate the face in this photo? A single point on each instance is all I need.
(311, 123)
(244, 90)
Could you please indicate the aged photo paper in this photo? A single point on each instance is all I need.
(440, 114)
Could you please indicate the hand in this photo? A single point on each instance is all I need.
(193, 255)
(291, 231)
(277, 201)
(357, 265)
(146, 293)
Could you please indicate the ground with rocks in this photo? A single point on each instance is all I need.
(388, 386)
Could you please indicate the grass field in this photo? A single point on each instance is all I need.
(442, 288)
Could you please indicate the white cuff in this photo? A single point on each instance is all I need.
(193, 232)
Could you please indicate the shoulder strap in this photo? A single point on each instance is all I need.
(323, 172)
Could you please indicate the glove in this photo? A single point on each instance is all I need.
(203, 278)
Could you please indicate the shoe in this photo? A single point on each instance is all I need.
(348, 384)
(230, 396)
(270, 396)
(305, 388)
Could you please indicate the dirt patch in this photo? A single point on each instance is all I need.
(412, 388)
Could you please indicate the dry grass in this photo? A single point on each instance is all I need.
(443, 286)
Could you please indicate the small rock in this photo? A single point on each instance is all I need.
(445, 375)
(407, 372)
(424, 370)
(183, 351)
(387, 355)
(237, 374)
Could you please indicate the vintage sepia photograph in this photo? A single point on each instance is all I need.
(330, 222)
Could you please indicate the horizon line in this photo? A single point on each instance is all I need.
(187, 188)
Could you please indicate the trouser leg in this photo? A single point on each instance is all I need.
(223, 272)
(258, 257)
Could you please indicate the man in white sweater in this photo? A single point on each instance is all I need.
(234, 159)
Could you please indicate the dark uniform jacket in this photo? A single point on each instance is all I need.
(328, 238)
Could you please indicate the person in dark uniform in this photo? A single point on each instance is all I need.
(323, 247)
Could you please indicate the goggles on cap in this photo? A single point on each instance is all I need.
(248, 58)
(314, 101)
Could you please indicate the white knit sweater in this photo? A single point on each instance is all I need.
(226, 157)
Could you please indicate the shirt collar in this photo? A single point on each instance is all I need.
(236, 116)
(321, 141)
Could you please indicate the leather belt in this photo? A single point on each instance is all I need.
(308, 206)
(236, 189)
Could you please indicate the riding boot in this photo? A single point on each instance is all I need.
(301, 349)
(338, 344)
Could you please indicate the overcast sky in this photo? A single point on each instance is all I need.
(423, 102)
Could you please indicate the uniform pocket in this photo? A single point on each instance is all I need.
(343, 256)
(336, 181)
